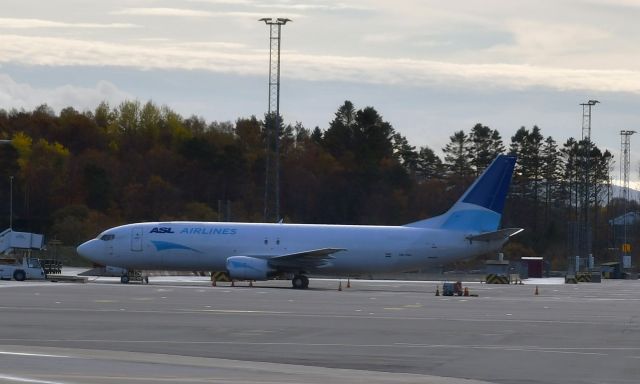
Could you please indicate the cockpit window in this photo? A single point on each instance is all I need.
(107, 237)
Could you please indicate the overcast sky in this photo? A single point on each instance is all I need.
(429, 67)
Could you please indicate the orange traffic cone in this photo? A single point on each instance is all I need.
(466, 291)
(340, 286)
(537, 293)
(348, 283)
(437, 290)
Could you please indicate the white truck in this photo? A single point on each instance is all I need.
(15, 260)
(29, 268)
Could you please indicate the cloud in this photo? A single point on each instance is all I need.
(16, 23)
(224, 57)
(286, 4)
(21, 95)
(180, 12)
(162, 12)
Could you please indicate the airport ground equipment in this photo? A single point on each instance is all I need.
(452, 289)
(67, 279)
(497, 271)
(27, 268)
(220, 276)
(51, 266)
(134, 276)
(570, 279)
(12, 240)
(126, 275)
(16, 262)
(493, 278)
(583, 277)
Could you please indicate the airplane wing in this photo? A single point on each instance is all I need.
(315, 258)
(501, 234)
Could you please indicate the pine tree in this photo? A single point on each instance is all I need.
(456, 155)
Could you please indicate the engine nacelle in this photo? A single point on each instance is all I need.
(248, 268)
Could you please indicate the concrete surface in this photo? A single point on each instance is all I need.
(184, 330)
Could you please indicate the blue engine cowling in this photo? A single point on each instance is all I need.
(248, 268)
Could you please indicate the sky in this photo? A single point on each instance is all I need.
(429, 67)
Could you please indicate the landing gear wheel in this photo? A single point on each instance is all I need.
(300, 282)
(124, 279)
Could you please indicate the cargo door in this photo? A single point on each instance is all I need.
(136, 239)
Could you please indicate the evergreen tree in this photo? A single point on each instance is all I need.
(550, 173)
(456, 154)
(429, 165)
(484, 145)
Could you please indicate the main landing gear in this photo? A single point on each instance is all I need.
(300, 282)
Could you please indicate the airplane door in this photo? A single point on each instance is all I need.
(136, 239)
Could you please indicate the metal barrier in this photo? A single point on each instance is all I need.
(570, 279)
(583, 277)
(220, 276)
(492, 278)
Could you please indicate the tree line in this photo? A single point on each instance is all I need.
(77, 173)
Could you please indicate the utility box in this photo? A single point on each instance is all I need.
(497, 271)
(496, 267)
(611, 270)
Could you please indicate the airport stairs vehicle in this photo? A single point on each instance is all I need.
(12, 240)
(15, 255)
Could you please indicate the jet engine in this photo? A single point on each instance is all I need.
(248, 268)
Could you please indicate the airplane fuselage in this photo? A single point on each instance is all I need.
(206, 246)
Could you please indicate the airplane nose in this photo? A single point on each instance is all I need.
(89, 250)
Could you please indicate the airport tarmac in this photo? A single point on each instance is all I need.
(183, 330)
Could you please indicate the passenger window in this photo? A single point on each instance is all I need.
(107, 237)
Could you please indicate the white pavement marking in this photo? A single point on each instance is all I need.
(31, 354)
(27, 380)
(600, 351)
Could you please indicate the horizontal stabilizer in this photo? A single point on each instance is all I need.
(501, 234)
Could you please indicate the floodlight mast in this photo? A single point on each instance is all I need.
(625, 149)
(275, 26)
(584, 225)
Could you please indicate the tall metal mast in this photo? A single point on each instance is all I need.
(584, 226)
(625, 157)
(273, 127)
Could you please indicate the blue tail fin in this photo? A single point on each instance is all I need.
(480, 207)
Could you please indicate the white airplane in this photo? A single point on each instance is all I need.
(260, 251)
